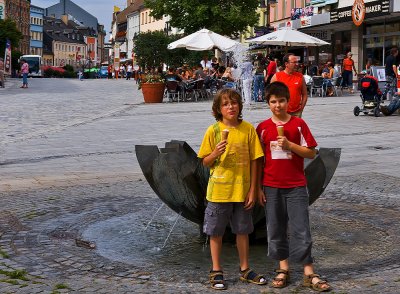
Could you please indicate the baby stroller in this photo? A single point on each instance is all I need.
(371, 97)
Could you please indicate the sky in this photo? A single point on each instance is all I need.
(102, 9)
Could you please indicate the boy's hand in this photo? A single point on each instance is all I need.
(262, 199)
(220, 148)
(250, 200)
(283, 142)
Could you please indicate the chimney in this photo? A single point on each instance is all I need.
(64, 6)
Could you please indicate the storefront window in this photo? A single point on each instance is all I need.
(377, 48)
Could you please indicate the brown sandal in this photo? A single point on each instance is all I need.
(318, 286)
(284, 280)
(217, 280)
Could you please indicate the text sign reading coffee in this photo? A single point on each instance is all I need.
(360, 12)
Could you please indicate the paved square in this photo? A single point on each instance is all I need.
(68, 170)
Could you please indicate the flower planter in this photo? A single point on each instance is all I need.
(153, 92)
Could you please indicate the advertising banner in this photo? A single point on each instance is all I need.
(2, 10)
(7, 58)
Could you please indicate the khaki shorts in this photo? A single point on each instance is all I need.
(218, 215)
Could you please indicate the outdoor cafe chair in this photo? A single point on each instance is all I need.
(316, 86)
(172, 91)
(200, 90)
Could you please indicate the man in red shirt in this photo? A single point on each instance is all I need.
(295, 82)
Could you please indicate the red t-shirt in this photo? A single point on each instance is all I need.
(348, 64)
(284, 169)
(294, 82)
(271, 69)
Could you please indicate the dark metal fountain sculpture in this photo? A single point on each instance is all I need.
(180, 180)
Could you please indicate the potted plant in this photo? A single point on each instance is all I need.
(153, 87)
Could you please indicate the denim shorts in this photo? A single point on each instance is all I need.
(218, 215)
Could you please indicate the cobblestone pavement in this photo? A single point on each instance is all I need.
(68, 171)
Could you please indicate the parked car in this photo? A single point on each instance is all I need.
(103, 72)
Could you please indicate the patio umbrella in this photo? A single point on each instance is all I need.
(288, 37)
(204, 40)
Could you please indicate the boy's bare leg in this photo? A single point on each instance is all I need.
(242, 244)
(215, 248)
(309, 270)
(283, 264)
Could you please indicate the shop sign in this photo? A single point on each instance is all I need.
(321, 34)
(360, 11)
(2, 10)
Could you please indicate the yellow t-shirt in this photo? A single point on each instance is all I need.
(230, 175)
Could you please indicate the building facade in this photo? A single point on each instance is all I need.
(19, 11)
(369, 33)
(84, 19)
(36, 28)
(63, 43)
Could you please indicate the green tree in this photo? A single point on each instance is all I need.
(226, 17)
(9, 30)
(151, 48)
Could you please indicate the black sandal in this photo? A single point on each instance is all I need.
(250, 276)
(217, 280)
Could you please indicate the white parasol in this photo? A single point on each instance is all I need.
(204, 40)
(288, 37)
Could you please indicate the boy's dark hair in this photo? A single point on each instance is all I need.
(232, 95)
(278, 89)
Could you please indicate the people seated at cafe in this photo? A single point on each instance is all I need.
(205, 62)
(327, 74)
(186, 72)
(172, 76)
(214, 63)
(220, 71)
(227, 75)
(199, 73)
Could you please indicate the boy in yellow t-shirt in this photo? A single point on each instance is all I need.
(232, 187)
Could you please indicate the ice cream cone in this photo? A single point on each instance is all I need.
(280, 130)
(225, 134)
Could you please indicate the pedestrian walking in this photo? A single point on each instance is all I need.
(129, 69)
(258, 79)
(24, 72)
(287, 140)
(391, 65)
(2, 73)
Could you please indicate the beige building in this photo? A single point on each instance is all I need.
(65, 43)
(149, 23)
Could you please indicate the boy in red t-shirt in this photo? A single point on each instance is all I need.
(284, 185)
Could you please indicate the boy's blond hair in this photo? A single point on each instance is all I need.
(230, 94)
